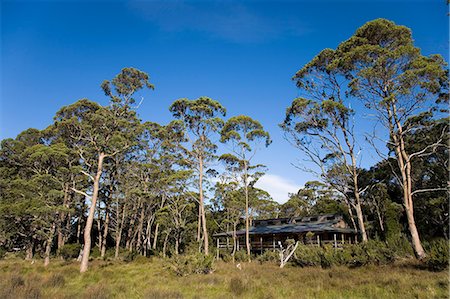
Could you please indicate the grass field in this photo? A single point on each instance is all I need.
(147, 278)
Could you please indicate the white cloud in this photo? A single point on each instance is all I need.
(277, 186)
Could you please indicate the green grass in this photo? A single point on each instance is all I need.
(152, 279)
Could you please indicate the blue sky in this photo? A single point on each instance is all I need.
(240, 53)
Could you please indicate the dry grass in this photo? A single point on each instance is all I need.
(152, 279)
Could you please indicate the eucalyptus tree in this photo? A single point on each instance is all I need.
(321, 124)
(98, 133)
(244, 134)
(19, 225)
(32, 189)
(201, 120)
(402, 86)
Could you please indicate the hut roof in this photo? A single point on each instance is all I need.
(322, 225)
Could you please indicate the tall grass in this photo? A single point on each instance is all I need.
(153, 279)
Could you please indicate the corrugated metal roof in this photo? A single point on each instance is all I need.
(291, 228)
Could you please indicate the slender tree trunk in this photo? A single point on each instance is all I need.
(199, 223)
(140, 228)
(99, 228)
(29, 252)
(119, 232)
(247, 234)
(105, 233)
(165, 244)
(128, 243)
(155, 239)
(404, 164)
(66, 235)
(234, 242)
(202, 208)
(48, 246)
(79, 229)
(62, 217)
(176, 245)
(147, 244)
(359, 213)
(90, 219)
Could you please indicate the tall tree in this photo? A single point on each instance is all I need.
(391, 76)
(201, 119)
(244, 134)
(321, 124)
(99, 133)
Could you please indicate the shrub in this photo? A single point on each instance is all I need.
(129, 256)
(438, 255)
(269, 256)
(306, 256)
(226, 257)
(70, 251)
(192, 263)
(240, 256)
(352, 255)
(400, 245)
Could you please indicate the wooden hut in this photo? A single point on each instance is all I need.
(271, 234)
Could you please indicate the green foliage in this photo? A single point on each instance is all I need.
(129, 256)
(437, 255)
(192, 263)
(70, 251)
(240, 255)
(269, 256)
(351, 255)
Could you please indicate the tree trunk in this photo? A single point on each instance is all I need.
(140, 227)
(90, 219)
(165, 244)
(202, 209)
(30, 250)
(99, 228)
(155, 239)
(48, 246)
(119, 231)
(62, 217)
(147, 244)
(105, 233)
(404, 164)
(247, 234)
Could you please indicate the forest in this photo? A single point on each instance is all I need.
(101, 184)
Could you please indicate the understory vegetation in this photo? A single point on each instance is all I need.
(149, 278)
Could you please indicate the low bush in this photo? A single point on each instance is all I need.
(240, 256)
(352, 255)
(192, 263)
(269, 256)
(129, 256)
(70, 251)
(437, 255)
